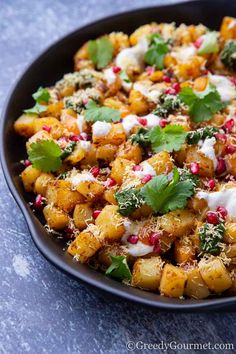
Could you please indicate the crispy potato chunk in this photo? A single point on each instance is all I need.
(90, 190)
(109, 195)
(184, 251)
(230, 232)
(173, 281)
(161, 162)
(82, 215)
(106, 152)
(228, 28)
(129, 151)
(76, 156)
(119, 167)
(205, 164)
(24, 125)
(40, 136)
(178, 222)
(116, 136)
(29, 177)
(195, 287)
(57, 129)
(115, 250)
(110, 223)
(147, 273)
(56, 219)
(41, 183)
(138, 102)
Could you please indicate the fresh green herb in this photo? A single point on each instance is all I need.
(94, 113)
(163, 195)
(186, 175)
(194, 137)
(168, 104)
(141, 137)
(170, 138)
(157, 51)
(202, 105)
(68, 150)
(124, 76)
(228, 55)
(210, 237)
(63, 175)
(129, 200)
(209, 43)
(45, 155)
(100, 51)
(41, 95)
(119, 268)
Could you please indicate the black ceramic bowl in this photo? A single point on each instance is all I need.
(48, 68)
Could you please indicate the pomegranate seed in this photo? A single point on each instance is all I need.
(229, 125)
(154, 238)
(176, 87)
(137, 168)
(69, 232)
(222, 137)
(222, 211)
(163, 123)
(146, 178)
(133, 239)
(116, 69)
(83, 136)
(197, 44)
(170, 91)
(233, 80)
(74, 138)
(150, 70)
(166, 78)
(142, 121)
(211, 184)
(221, 166)
(27, 163)
(157, 247)
(38, 201)
(230, 149)
(194, 168)
(85, 101)
(110, 182)
(96, 213)
(212, 218)
(95, 171)
(47, 128)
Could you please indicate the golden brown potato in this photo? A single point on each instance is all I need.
(173, 281)
(29, 176)
(138, 103)
(230, 232)
(116, 136)
(147, 273)
(77, 155)
(179, 222)
(41, 183)
(161, 162)
(195, 287)
(231, 163)
(228, 28)
(142, 31)
(57, 129)
(114, 249)
(90, 190)
(82, 215)
(230, 250)
(110, 223)
(90, 158)
(205, 164)
(109, 195)
(190, 69)
(106, 152)
(41, 135)
(129, 151)
(119, 167)
(184, 251)
(24, 125)
(56, 219)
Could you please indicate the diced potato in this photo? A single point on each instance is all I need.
(190, 69)
(198, 205)
(59, 193)
(230, 250)
(41, 183)
(173, 281)
(82, 215)
(230, 232)
(106, 152)
(90, 190)
(40, 136)
(138, 102)
(56, 219)
(142, 31)
(142, 212)
(215, 275)
(184, 251)
(180, 156)
(205, 164)
(182, 120)
(54, 109)
(90, 158)
(76, 156)
(69, 121)
(161, 162)
(195, 287)
(109, 195)
(228, 28)
(115, 250)
(57, 129)
(29, 176)
(113, 102)
(166, 241)
(129, 151)
(110, 223)
(119, 41)
(116, 136)
(86, 244)
(147, 273)
(119, 167)
(24, 125)
(179, 222)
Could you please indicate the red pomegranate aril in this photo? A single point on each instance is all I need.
(133, 239)
(222, 137)
(74, 138)
(83, 136)
(95, 170)
(27, 163)
(157, 247)
(233, 80)
(176, 87)
(211, 184)
(85, 101)
(47, 128)
(230, 149)
(221, 166)
(38, 201)
(222, 211)
(137, 168)
(110, 182)
(170, 91)
(96, 213)
(194, 168)
(146, 178)
(116, 69)
(69, 232)
(166, 78)
(229, 124)
(150, 70)
(197, 44)
(212, 218)
(163, 123)
(154, 238)
(142, 121)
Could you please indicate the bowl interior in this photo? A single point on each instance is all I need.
(48, 68)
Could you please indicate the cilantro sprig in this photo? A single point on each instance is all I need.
(41, 95)
(141, 137)
(157, 51)
(100, 51)
(210, 236)
(94, 113)
(119, 268)
(193, 137)
(45, 155)
(170, 138)
(129, 200)
(209, 43)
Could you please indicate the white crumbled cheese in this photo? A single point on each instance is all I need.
(110, 76)
(152, 93)
(207, 148)
(80, 122)
(129, 122)
(81, 177)
(127, 86)
(132, 57)
(139, 249)
(224, 86)
(101, 128)
(225, 198)
(152, 120)
(147, 169)
(183, 54)
(86, 145)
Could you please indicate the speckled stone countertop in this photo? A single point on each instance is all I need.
(41, 309)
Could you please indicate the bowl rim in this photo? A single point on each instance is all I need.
(55, 260)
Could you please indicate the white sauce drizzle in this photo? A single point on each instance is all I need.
(152, 120)
(139, 249)
(81, 177)
(129, 122)
(147, 169)
(224, 86)
(152, 94)
(110, 76)
(207, 148)
(86, 145)
(183, 54)
(101, 128)
(134, 56)
(80, 122)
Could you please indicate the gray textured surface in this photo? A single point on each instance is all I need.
(42, 310)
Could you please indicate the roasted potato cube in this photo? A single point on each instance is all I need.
(205, 164)
(215, 275)
(56, 219)
(54, 109)
(231, 162)
(161, 162)
(230, 250)
(41, 183)
(90, 190)
(190, 69)
(116, 136)
(143, 31)
(173, 281)
(110, 223)
(115, 250)
(179, 222)
(41, 135)
(228, 28)
(77, 155)
(230, 232)
(129, 151)
(119, 167)
(106, 152)
(57, 129)
(138, 102)
(86, 244)
(184, 251)
(90, 158)
(29, 176)
(147, 273)
(195, 287)
(109, 195)
(82, 215)
(24, 125)
(59, 193)
(69, 121)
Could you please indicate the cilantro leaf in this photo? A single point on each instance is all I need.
(167, 105)
(45, 155)
(209, 43)
(193, 137)
(157, 51)
(164, 196)
(119, 268)
(170, 138)
(186, 175)
(41, 95)
(68, 150)
(100, 51)
(210, 236)
(94, 113)
(129, 200)
(141, 137)
(36, 109)
(202, 105)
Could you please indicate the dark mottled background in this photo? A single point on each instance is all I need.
(42, 310)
